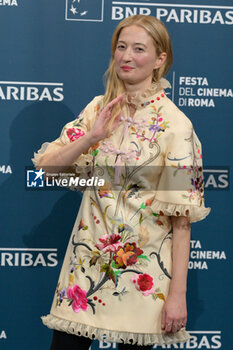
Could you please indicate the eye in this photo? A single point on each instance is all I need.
(139, 49)
(120, 47)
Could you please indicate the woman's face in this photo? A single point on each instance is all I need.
(135, 57)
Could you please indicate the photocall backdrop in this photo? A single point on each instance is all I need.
(53, 57)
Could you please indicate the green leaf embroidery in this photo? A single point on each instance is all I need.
(143, 205)
(114, 265)
(117, 273)
(94, 153)
(143, 257)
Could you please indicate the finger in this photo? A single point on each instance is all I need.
(121, 98)
(184, 322)
(106, 112)
(168, 327)
(175, 327)
(115, 101)
(163, 323)
(180, 324)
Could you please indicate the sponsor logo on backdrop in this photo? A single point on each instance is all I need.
(28, 257)
(5, 169)
(8, 3)
(174, 13)
(200, 258)
(216, 179)
(31, 91)
(198, 340)
(85, 10)
(198, 91)
(107, 345)
(3, 335)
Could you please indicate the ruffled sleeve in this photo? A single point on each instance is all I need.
(181, 186)
(71, 132)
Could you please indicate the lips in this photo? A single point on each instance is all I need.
(126, 68)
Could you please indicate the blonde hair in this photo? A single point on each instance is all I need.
(157, 30)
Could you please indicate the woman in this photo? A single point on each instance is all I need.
(125, 270)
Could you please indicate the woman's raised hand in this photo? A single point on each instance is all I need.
(100, 129)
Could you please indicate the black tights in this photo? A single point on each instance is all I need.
(65, 341)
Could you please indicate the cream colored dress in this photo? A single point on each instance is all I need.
(117, 268)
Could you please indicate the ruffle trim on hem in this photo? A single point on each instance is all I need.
(194, 212)
(37, 155)
(94, 333)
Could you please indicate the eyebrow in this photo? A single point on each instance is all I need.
(122, 41)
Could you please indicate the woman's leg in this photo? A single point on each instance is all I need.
(122, 346)
(63, 341)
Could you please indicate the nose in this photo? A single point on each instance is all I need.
(127, 55)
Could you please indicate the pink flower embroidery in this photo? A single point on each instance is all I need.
(74, 133)
(143, 283)
(109, 243)
(78, 296)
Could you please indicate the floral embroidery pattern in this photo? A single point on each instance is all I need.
(127, 255)
(114, 256)
(156, 125)
(77, 298)
(119, 250)
(197, 182)
(195, 173)
(144, 283)
(74, 133)
(109, 243)
(139, 124)
(105, 191)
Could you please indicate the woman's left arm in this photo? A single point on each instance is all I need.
(174, 314)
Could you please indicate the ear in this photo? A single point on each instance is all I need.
(160, 60)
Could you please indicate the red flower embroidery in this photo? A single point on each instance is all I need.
(74, 133)
(78, 296)
(143, 283)
(127, 255)
(109, 243)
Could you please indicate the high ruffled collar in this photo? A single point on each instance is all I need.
(139, 98)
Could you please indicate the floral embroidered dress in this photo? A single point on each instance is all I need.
(117, 268)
